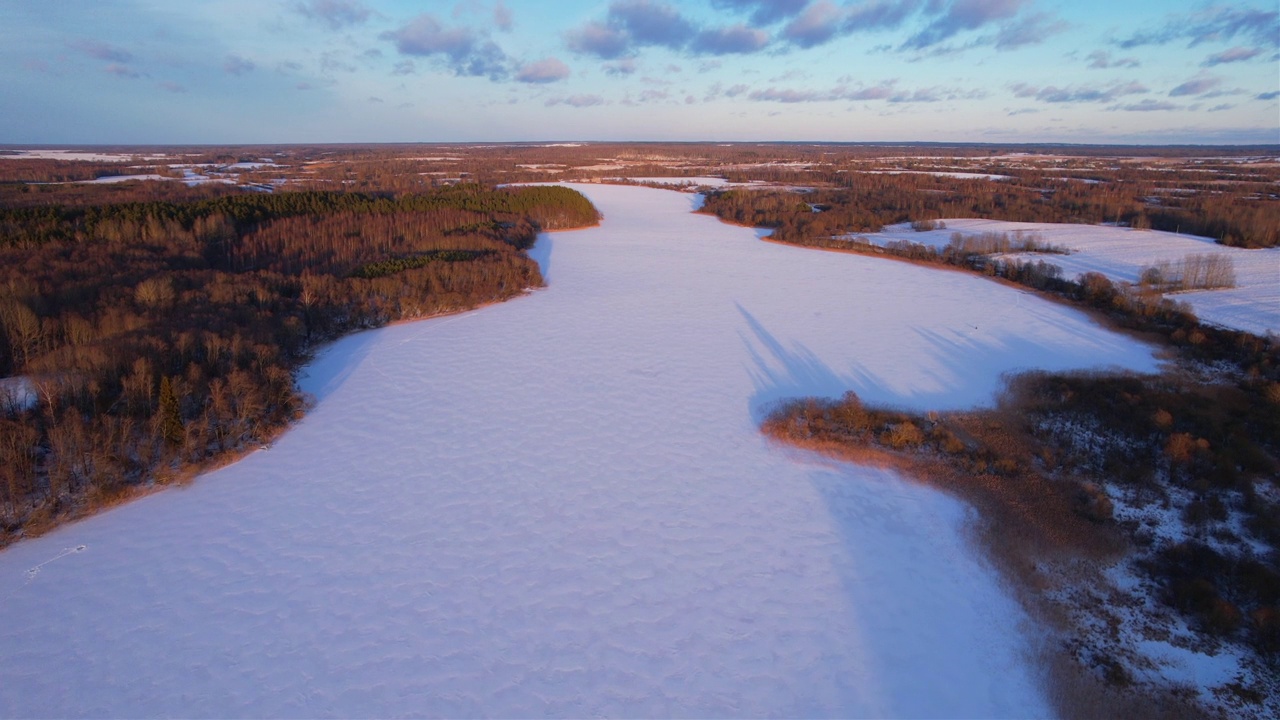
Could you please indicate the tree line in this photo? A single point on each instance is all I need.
(1244, 215)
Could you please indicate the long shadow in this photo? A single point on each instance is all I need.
(900, 541)
(541, 254)
(335, 363)
(950, 619)
(781, 372)
(892, 539)
(969, 363)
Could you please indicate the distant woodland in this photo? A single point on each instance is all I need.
(1231, 194)
(154, 329)
(868, 201)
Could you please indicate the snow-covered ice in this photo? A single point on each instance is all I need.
(1120, 253)
(562, 506)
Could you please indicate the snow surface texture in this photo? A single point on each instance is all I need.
(1121, 254)
(562, 506)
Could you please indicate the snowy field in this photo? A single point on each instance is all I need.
(192, 173)
(195, 174)
(714, 182)
(112, 179)
(562, 506)
(75, 155)
(681, 181)
(1121, 254)
(940, 173)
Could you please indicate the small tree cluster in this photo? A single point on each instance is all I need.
(1207, 271)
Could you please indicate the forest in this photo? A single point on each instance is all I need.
(151, 331)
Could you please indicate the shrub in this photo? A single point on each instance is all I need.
(850, 413)
(1266, 628)
(1092, 503)
(1223, 617)
(902, 435)
(947, 440)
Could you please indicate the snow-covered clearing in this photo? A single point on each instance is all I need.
(562, 506)
(82, 156)
(257, 165)
(940, 173)
(112, 179)
(189, 176)
(715, 182)
(689, 181)
(1121, 254)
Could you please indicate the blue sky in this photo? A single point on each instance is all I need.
(266, 71)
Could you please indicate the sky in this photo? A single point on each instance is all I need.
(310, 71)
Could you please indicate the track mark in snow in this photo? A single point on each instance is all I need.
(31, 574)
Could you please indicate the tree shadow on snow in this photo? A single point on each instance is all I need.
(957, 368)
(336, 362)
(541, 254)
(783, 372)
(962, 376)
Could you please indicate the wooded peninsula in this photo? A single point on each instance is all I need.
(156, 337)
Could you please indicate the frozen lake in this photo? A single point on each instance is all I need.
(562, 506)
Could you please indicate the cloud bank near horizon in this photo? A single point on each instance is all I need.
(790, 69)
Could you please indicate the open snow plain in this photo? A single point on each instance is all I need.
(561, 505)
(1121, 253)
